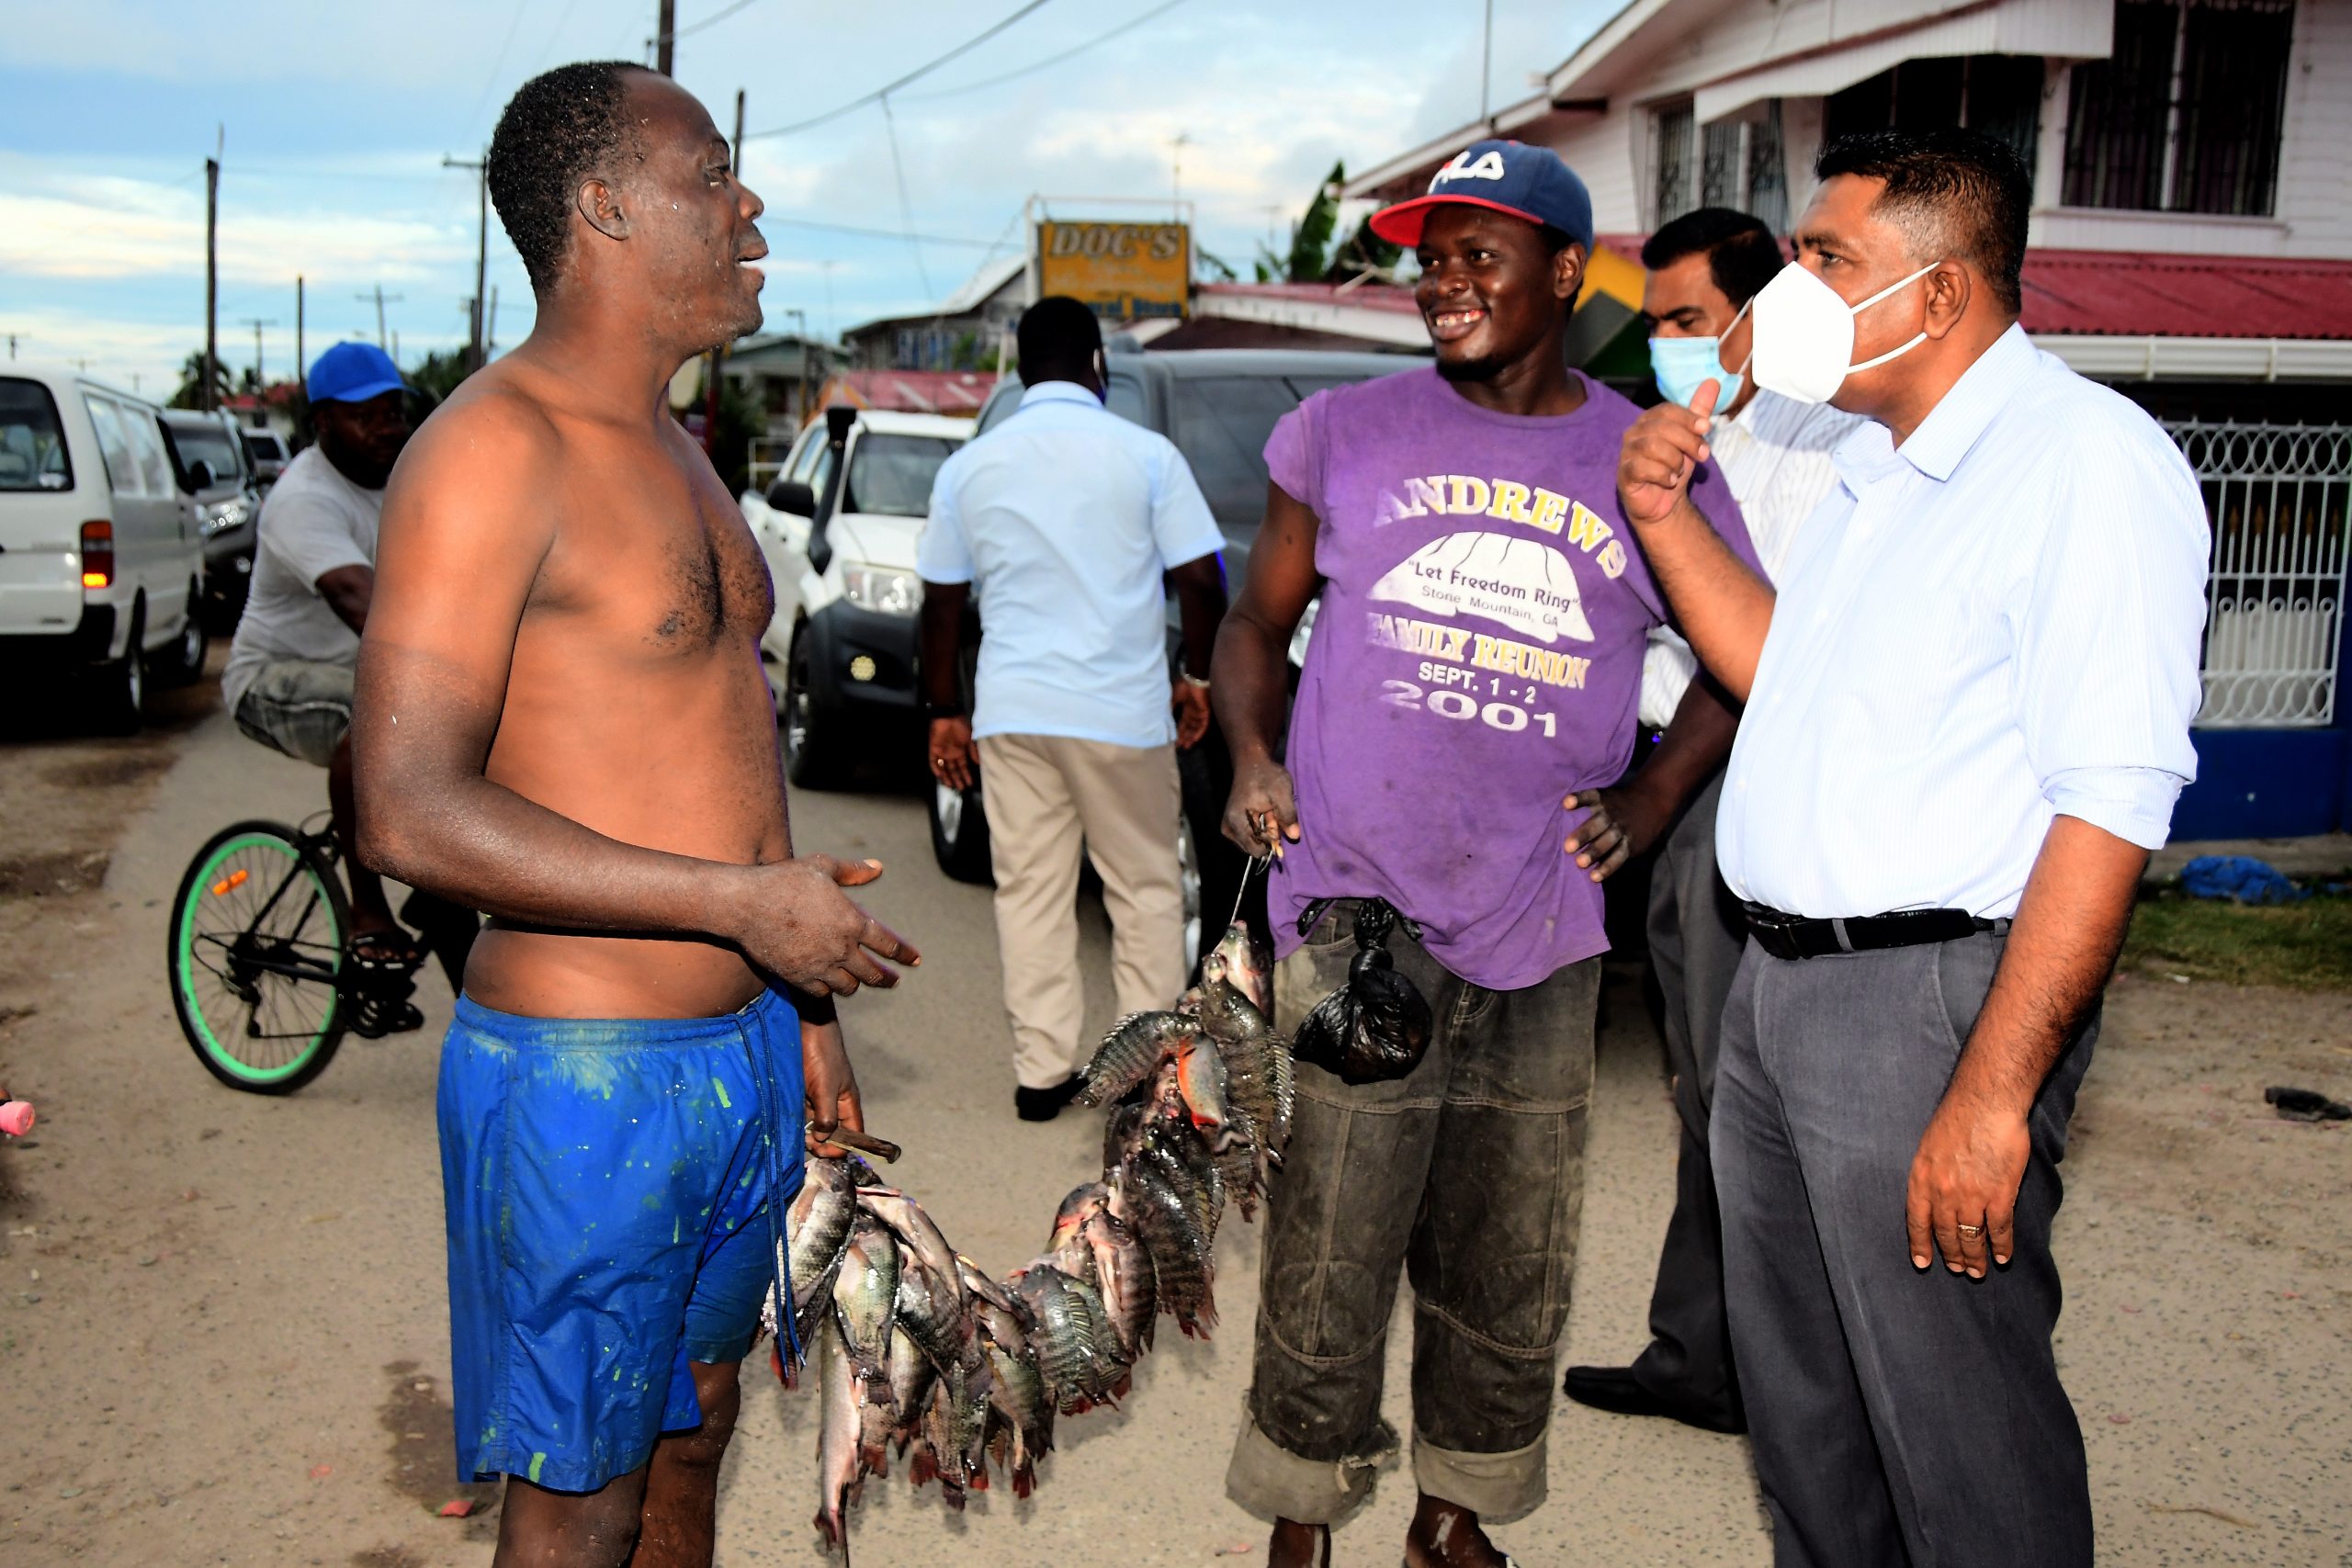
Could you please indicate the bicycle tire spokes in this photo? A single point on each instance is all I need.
(257, 955)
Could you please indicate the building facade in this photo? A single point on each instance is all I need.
(2192, 244)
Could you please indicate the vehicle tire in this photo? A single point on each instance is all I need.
(120, 685)
(182, 664)
(811, 735)
(959, 834)
(256, 906)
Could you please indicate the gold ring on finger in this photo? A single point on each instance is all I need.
(1972, 1230)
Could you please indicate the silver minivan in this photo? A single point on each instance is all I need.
(100, 565)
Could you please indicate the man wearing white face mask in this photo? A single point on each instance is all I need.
(1703, 268)
(1967, 722)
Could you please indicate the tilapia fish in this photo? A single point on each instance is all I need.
(816, 1227)
(912, 1376)
(1162, 1222)
(838, 1471)
(915, 1230)
(1247, 962)
(865, 1296)
(1123, 1274)
(1077, 1347)
(934, 1311)
(1258, 1065)
(1201, 1081)
(1132, 1052)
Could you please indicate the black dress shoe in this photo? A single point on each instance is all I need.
(1615, 1390)
(1044, 1104)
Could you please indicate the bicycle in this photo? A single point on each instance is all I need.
(260, 954)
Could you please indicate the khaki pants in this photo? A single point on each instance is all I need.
(1045, 794)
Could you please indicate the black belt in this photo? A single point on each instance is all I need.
(1794, 936)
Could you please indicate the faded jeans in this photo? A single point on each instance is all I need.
(1467, 1176)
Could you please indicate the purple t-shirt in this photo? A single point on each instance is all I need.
(1476, 660)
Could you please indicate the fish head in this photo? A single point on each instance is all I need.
(1247, 963)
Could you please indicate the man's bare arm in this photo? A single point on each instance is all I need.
(1199, 609)
(939, 636)
(2060, 950)
(348, 590)
(1251, 672)
(467, 525)
(1725, 609)
(1627, 819)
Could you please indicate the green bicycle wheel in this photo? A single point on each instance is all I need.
(254, 947)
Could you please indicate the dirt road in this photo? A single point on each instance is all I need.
(223, 1335)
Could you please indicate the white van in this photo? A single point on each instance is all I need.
(99, 566)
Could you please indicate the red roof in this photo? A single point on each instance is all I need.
(2126, 293)
(911, 391)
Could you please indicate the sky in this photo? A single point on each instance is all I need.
(332, 120)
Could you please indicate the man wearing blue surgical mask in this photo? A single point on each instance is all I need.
(1703, 268)
(1968, 699)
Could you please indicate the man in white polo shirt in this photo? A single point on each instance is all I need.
(1967, 721)
(1066, 520)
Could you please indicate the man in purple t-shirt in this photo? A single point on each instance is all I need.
(1468, 701)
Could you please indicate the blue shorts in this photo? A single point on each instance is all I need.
(610, 1187)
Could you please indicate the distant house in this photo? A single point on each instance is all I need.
(962, 334)
(783, 372)
(2192, 244)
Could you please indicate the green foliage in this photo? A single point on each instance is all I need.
(740, 419)
(438, 375)
(2304, 946)
(1309, 247)
(1364, 252)
(1312, 258)
(190, 393)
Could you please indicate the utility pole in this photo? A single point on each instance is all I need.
(12, 343)
(255, 322)
(211, 282)
(475, 357)
(490, 326)
(380, 297)
(301, 360)
(1486, 67)
(1176, 181)
(664, 41)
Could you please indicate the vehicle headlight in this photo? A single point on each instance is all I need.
(222, 516)
(882, 590)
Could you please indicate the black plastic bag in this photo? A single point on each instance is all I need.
(1375, 1027)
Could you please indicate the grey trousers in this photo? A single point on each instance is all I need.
(1467, 1176)
(1899, 1416)
(1696, 934)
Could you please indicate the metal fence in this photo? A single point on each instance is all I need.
(2276, 495)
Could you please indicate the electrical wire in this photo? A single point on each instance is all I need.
(905, 208)
(1126, 26)
(883, 92)
(770, 220)
(711, 21)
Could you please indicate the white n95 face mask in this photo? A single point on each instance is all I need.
(1804, 334)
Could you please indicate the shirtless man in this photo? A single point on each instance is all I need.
(562, 722)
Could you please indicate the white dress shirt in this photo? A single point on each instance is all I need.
(1775, 453)
(1992, 624)
(1064, 519)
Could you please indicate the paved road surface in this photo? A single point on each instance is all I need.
(237, 1352)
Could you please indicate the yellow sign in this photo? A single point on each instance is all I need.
(1122, 270)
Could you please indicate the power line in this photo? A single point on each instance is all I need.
(712, 21)
(905, 208)
(919, 71)
(1051, 60)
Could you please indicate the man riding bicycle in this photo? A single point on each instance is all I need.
(288, 680)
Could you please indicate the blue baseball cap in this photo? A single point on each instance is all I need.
(353, 373)
(1504, 177)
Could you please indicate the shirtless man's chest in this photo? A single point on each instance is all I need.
(635, 704)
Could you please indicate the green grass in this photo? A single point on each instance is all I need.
(2305, 946)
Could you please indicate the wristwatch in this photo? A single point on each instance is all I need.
(932, 710)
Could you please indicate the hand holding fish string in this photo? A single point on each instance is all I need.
(1261, 811)
(831, 1083)
(792, 920)
(1626, 820)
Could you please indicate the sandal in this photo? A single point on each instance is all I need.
(384, 953)
(376, 1014)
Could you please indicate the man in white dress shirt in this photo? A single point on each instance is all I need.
(1967, 722)
(1703, 267)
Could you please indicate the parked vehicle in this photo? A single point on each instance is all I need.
(839, 529)
(100, 564)
(265, 453)
(217, 492)
(1218, 406)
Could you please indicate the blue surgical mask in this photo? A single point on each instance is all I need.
(1683, 364)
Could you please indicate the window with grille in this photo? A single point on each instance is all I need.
(1737, 163)
(2185, 114)
(1997, 94)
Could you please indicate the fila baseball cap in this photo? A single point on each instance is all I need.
(353, 373)
(1504, 177)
